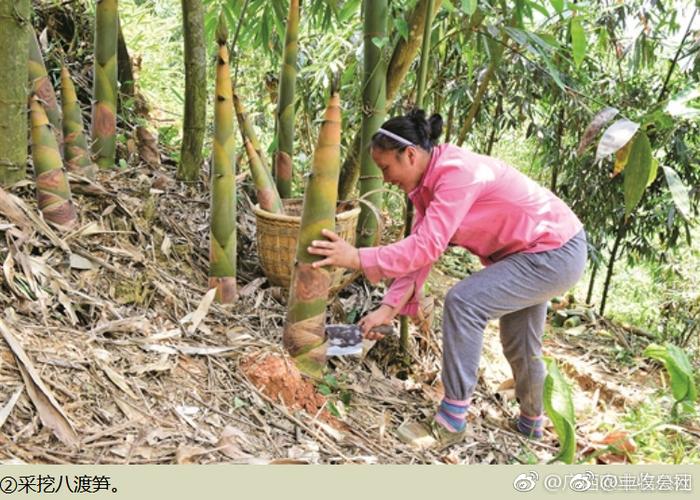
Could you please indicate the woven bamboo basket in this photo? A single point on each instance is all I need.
(277, 239)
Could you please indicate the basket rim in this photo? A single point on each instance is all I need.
(347, 214)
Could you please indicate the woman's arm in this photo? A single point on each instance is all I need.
(455, 193)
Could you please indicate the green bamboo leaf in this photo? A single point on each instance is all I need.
(494, 50)
(637, 172)
(402, 27)
(349, 74)
(657, 117)
(578, 41)
(348, 10)
(380, 42)
(519, 13)
(449, 7)
(539, 8)
(228, 13)
(679, 192)
(279, 23)
(680, 371)
(559, 406)
(469, 6)
(333, 409)
(558, 5)
(535, 45)
(653, 171)
(549, 42)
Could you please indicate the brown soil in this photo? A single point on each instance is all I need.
(277, 377)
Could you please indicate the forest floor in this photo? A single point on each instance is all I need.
(113, 352)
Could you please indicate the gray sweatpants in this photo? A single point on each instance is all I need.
(516, 290)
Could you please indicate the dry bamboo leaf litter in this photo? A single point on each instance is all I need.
(142, 270)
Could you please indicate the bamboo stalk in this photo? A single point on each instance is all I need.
(424, 56)
(422, 80)
(373, 115)
(283, 167)
(104, 110)
(222, 237)
(14, 40)
(401, 59)
(304, 329)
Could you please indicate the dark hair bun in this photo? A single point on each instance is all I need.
(435, 126)
(417, 116)
(413, 127)
(429, 129)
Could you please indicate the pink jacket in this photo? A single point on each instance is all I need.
(474, 201)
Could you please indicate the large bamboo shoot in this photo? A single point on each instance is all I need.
(304, 330)
(42, 87)
(222, 237)
(76, 151)
(52, 188)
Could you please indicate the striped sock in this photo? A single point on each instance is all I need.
(452, 414)
(530, 426)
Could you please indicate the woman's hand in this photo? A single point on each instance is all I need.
(383, 315)
(337, 251)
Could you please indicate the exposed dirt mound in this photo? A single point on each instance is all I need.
(279, 379)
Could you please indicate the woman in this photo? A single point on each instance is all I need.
(532, 245)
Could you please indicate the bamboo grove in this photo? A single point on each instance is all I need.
(491, 69)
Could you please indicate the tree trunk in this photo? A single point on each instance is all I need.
(403, 55)
(373, 114)
(283, 167)
(14, 40)
(52, 189)
(450, 119)
(222, 237)
(494, 125)
(591, 283)
(104, 94)
(555, 168)
(613, 255)
(43, 88)
(304, 329)
(194, 122)
(76, 151)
